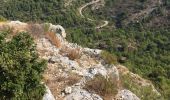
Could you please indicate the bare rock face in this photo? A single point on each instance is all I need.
(57, 28)
(126, 95)
(48, 95)
(81, 94)
(68, 90)
(113, 72)
(92, 51)
(17, 26)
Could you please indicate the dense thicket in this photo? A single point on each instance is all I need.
(145, 50)
(20, 69)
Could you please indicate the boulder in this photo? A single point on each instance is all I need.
(48, 95)
(126, 95)
(81, 94)
(68, 90)
(57, 29)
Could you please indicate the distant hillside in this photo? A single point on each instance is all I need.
(136, 31)
(149, 13)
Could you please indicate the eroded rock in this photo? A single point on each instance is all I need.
(126, 95)
(81, 94)
(48, 95)
(57, 29)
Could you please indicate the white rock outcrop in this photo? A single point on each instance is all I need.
(92, 51)
(48, 95)
(126, 95)
(68, 90)
(81, 94)
(56, 28)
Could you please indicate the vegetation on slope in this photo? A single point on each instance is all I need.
(107, 88)
(143, 92)
(143, 49)
(20, 68)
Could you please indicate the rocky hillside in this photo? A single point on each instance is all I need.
(77, 73)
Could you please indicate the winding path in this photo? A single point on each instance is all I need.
(88, 4)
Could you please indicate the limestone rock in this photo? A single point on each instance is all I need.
(99, 69)
(113, 72)
(57, 28)
(68, 90)
(80, 94)
(48, 95)
(92, 51)
(126, 95)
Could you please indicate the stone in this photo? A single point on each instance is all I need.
(126, 95)
(56, 29)
(98, 69)
(81, 94)
(14, 23)
(68, 90)
(48, 95)
(113, 72)
(102, 70)
(92, 51)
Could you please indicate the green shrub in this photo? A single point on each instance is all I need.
(46, 27)
(2, 19)
(20, 69)
(108, 57)
(143, 92)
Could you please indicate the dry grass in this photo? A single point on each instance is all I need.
(73, 79)
(53, 38)
(35, 30)
(58, 84)
(71, 53)
(143, 92)
(74, 54)
(107, 88)
(68, 81)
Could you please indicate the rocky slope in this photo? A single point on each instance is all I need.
(71, 67)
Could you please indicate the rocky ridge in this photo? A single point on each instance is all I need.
(66, 77)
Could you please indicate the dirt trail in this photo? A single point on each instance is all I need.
(88, 4)
(101, 26)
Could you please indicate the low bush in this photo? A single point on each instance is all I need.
(54, 39)
(108, 57)
(107, 88)
(46, 27)
(71, 53)
(143, 92)
(2, 19)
